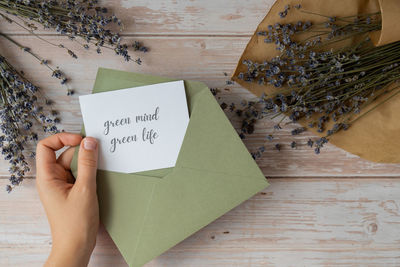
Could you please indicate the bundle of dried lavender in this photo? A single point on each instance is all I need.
(19, 111)
(84, 19)
(81, 21)
(319, 84)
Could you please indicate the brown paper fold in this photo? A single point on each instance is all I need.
(390, 10)
(373, 136)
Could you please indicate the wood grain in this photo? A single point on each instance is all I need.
(202, 59)
(180, 17)
(294, 222)
(334, 209)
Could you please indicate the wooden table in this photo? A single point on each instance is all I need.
(334, 209)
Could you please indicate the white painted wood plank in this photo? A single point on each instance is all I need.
(201, 59)
(223, 17)
(294, 222)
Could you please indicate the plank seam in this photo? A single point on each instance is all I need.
(174, 35)
(4, 177)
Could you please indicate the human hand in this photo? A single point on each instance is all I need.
(72, 208)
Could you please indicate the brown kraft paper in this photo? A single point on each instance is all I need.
(374, 135)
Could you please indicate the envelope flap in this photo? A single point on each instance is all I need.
(212, 144)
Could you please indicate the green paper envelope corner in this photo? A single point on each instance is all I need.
(147, 213)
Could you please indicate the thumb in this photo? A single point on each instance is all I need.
(87, 162)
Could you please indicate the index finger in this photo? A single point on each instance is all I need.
(46, 148)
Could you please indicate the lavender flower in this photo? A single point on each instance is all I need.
(278, 147)
(19, 109)
(293, 145)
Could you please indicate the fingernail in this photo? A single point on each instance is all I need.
(89, 144)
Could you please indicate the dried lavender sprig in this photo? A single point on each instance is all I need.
(55, 72)
(30, 29)
(19, 112)
(83, 19)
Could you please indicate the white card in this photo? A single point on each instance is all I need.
(139, 129)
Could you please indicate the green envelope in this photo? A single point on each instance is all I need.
(149, 212)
